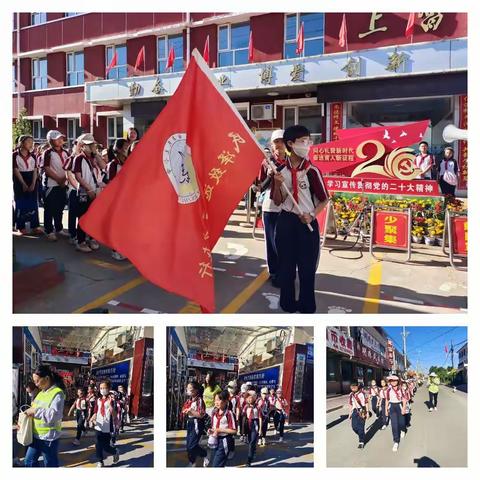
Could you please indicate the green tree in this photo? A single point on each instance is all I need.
(22, 126)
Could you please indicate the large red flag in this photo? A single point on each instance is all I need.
(206, 50)
(170, 203)
(342, 34)
(140, 59)
(170, 59)
(112, 64)
(300, 41)
(250, 48)
(410, 25)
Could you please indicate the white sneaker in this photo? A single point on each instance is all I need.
(259, 443)
(402, 435)
(280, 440)
(99, 464)
(116, 456)
(383, 427)
(117, 256)
(93, 244)
(63, 233)
(191, 465)
(435, 408)
(76, 442)
(83, 247)
(51, 237)
(430, 409)
(264, 442)
(395, 447)
(206, 462)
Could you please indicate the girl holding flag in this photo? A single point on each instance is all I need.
(296, 236)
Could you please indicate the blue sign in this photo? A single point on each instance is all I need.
(309, 352)
(262, 378)
(117, 373)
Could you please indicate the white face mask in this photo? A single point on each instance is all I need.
(301, 149)
(104, 391)
(189, 393)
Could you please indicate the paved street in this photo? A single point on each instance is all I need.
(435, 439)
(295, 451)
(135, 446)
(347, 281)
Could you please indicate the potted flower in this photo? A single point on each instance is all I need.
(431, 239)
(417, 234)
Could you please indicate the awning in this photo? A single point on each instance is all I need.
(74, 338)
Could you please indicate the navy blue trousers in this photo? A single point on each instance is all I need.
(358, 426)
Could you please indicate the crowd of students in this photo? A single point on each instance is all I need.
(222, 415)
(97, 408)
(390, 402)
(55, 176)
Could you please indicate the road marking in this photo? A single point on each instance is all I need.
(190, 307)
(98, 302)
(273, 300)
(247, 293)
(372, 295)
(108, 265)
(130, 306)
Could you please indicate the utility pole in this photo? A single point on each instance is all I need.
(451, 351)
(418, 358)
(404, 336)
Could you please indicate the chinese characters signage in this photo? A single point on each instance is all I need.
(460, 235)
(369, 356)
(336, 119)
(462, 144)
(118, 373)
(417, 188)
(369, 341)
(391, 229)
(262, 378)
(390, 354)
(339, 341)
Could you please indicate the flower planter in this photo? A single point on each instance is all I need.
(430, 241)
(417, 239)
(440, 241)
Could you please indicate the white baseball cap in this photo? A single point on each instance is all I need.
(231, 384)
(54, 135)
(433, 374)
(276, 134)
(86, 138)
(244, 388)
(264, 390)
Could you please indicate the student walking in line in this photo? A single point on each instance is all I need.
(358, 412)
(383, 402)
(280, 414)
(396, 409)
(263, 406)
(253, 424)
(80, 407)
(373, 392)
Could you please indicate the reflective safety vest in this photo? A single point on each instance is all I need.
(44, 400)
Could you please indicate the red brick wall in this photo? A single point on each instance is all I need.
(94, 60)
(56, 64)
(267, 35)
(133, 47)
(198, 35)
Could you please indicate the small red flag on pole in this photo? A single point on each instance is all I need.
(171, 58)
(250, 48)
(140, 59)
(300, 41)
(410, 25)
(206, 50)
(342, 34)
(112, 64)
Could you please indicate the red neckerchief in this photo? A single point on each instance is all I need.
(25, 159)
(60, 154)
(294, 171)
(278, 160)
(102, 405)
(218, 417)
(250, 415)
(355, 396)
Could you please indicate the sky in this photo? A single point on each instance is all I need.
(427, 344)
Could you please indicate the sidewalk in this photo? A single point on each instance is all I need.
(337, 402)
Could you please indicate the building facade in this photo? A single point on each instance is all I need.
(462, 372)
(359, 354)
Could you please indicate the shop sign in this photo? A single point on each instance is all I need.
(47, 357)
(352, 68)
(386, 186)
(396, 62)
(370, 341)
(336, 119)
(268, 377)
(266, 75)
(299, 376)
(391, 229)
(390, 354)
(462, 144)
(194, 362)
(309, 352)
(369, 356)
(117, 373)
(297, 72)
(339, 341)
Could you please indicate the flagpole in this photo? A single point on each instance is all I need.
(287, 191)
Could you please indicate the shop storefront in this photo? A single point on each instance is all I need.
(340, 351)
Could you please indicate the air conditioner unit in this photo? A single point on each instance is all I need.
(271, 345)
(262, 112)
(121, 340)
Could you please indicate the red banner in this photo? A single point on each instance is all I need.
(336, 119)
(462, 144)
(371, 152)
(460, 235)
(390, 229)
(415, 188)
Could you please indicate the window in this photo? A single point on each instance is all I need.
(120, 71)
(39, 73)
(310, 116)
(313, 29)
(72, 14)
(73, 130)
(75, 72)
(38, 132)
(38, 18)
(114, 129)
(164, 44)
(14, 78)
(233, 44)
